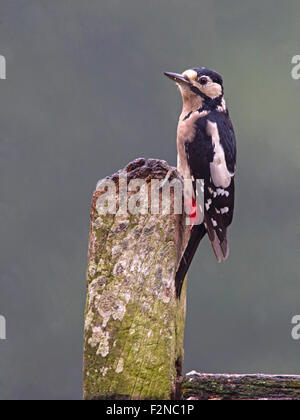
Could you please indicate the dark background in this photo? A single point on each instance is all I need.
(84, 95)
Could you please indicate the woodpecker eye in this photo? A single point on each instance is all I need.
(203, 80)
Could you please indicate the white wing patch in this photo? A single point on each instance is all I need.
(225, 210)
(220, 175)
(222, 192)
(208, 204)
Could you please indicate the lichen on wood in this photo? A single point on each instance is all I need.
(134, 323)
(202, 386)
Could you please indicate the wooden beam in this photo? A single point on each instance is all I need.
(202, 386)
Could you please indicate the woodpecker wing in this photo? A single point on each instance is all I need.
(211, 156)
(219, 205)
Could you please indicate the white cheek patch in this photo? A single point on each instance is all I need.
(213, 90)
(218, 169)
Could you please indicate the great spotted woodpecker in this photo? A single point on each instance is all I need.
(207, 151)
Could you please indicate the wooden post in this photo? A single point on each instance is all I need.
(202, 386)
(134, 323)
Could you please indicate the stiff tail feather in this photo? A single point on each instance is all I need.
(219, 242)
(197, 235)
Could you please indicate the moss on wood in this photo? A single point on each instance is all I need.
(201, 386)
(134, 324)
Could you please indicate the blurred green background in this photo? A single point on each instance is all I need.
(84, 95)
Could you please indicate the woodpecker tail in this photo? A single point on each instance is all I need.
(198, 232)
(218, 239)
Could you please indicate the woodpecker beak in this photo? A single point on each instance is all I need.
(177, 78)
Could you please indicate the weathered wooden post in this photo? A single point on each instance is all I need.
(134, 322)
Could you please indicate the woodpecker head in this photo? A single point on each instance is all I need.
(200, 88)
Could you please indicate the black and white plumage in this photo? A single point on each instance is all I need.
(206, 150)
